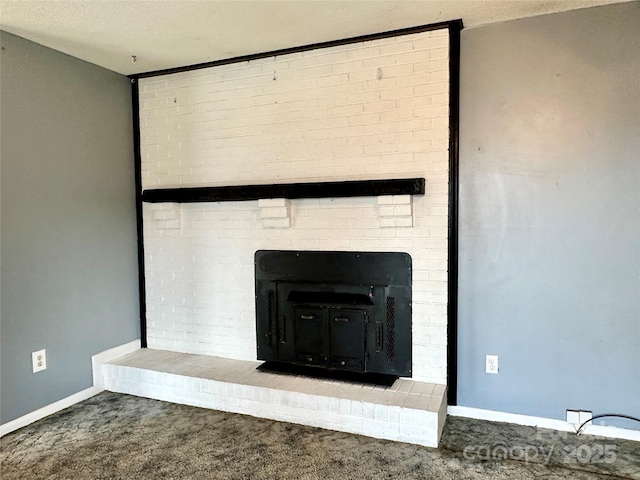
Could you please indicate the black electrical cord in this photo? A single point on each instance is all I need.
(628, 417)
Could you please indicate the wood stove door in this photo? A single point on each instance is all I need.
(348, 336)
(311, 329)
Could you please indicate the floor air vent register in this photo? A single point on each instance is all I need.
(339, 311)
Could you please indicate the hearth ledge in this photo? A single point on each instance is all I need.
(408, 411)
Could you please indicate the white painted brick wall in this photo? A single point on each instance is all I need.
(371, 110)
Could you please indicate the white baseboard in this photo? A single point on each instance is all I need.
(98, 386)
(542, 422)
(50, 409)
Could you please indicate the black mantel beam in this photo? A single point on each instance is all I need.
(357, 188)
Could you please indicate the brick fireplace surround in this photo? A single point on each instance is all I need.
(376, 109)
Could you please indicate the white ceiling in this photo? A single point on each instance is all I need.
(167, 33)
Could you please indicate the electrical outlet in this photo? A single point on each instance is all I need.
(573, 416)
(584, 415)
(578, 417)
(39, 360)
(491, 365)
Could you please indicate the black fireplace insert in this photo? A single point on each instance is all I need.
(345, 311)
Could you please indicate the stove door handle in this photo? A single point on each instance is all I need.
(341, 319)
(307, 317)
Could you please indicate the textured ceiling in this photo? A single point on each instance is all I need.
(165, 33)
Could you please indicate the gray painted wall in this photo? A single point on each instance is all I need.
(550, 214)
(69, 274)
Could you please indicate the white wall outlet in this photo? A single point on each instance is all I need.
(39, 360)
(585, 415)
(491, 365)
(573, 416)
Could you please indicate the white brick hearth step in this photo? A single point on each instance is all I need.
(408, 411)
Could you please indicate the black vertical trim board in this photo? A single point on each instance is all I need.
(138, 181)
(454, 167)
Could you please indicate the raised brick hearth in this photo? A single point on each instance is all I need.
(408, 411)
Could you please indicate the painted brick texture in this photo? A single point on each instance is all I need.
(376, 109)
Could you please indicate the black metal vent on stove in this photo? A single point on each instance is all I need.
(390, 347)
(335, 310)
(273, 319)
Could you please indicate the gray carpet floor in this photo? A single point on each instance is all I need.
(115, 436)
